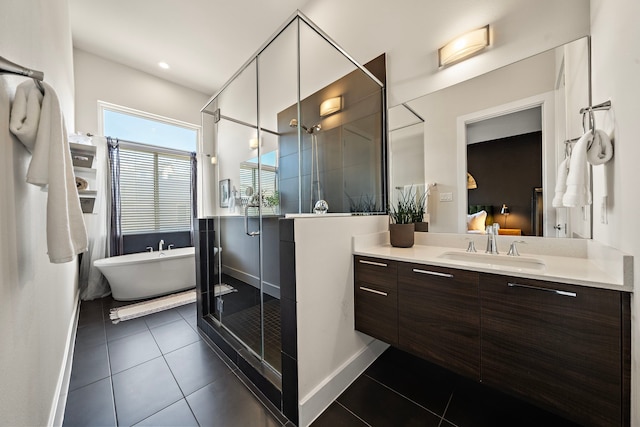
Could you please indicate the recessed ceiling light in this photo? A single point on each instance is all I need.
(163, 65)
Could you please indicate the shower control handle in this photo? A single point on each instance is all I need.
(246, 221)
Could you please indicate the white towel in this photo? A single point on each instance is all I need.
(51, 165)
(601, 150)
(25, 114)
(577, 193)
(561, 183)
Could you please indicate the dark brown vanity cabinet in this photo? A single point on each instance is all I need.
(556, 345)
(439, 316)
(562, 347)
(376, 298)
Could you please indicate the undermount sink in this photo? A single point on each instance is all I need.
(495, 261)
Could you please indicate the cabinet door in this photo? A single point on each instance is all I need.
(439, 316)
(554, 344)
(376, 298)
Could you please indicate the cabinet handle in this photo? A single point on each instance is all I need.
(556, 291)
(432, 273)
(373, 291)
(379, 264)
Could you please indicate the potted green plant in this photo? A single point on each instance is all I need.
(402, 227)
(419, 212)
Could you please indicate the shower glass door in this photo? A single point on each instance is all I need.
(238, 295)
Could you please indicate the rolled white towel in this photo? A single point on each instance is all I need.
(601, 150)
(25, 114)
(561, 183)
(577, 193)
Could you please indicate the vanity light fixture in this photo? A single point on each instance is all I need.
(330, 106)
(463, 46)
(505, 211)
(471, 182)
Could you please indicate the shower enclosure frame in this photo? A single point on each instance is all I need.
(278, 388)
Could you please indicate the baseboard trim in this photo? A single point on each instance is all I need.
(319, 399)
(269, 288)
(59, 404)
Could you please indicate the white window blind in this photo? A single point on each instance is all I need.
(268, 181)
(155, 191)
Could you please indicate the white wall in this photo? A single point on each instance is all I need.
(37, 299)
(330, 351)
(616, 76)
(97, 78)
(411, 32)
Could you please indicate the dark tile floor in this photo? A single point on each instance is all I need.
(399, 389)
(155, 371)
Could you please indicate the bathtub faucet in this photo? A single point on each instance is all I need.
(160, 245)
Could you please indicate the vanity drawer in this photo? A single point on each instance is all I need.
(376, 298)
(439, 316)
(375, 271)
(554, 344)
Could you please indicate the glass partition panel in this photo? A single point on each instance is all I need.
(299, 124)
(277, 90)
(238, 294)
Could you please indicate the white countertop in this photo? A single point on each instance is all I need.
(598, 268)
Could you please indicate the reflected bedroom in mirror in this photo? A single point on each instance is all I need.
(494, 144)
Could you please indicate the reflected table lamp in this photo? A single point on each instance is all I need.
(505, 211)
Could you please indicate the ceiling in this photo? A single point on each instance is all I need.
(206, 41)
(203, 41)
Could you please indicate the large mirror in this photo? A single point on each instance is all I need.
(493, 143)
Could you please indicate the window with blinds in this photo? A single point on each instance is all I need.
(268, 182)
(155, 190)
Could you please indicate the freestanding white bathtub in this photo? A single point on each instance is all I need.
(149, 274)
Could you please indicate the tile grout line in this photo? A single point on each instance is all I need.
(352, 413)
(162, 355)
(403, 396)
(106, 342)
(445, 410)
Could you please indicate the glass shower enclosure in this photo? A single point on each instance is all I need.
(300, 123)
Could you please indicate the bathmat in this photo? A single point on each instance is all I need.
(223, 289)
(132, 311)
(128, 312)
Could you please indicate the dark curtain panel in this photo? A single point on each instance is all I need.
(115, 238)
(194, 194)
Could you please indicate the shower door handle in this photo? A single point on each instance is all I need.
(246, 221)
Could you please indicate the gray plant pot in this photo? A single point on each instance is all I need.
(401, 235)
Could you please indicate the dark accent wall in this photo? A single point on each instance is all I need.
(288, 316)
(351, 145)
(282, 397)
(134, 243)
(507, 170)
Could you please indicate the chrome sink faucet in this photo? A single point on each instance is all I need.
(160, 245)
(513, 249)
(492, 243)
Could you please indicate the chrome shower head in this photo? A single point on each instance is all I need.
(315, 128)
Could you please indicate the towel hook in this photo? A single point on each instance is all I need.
(592, 121)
